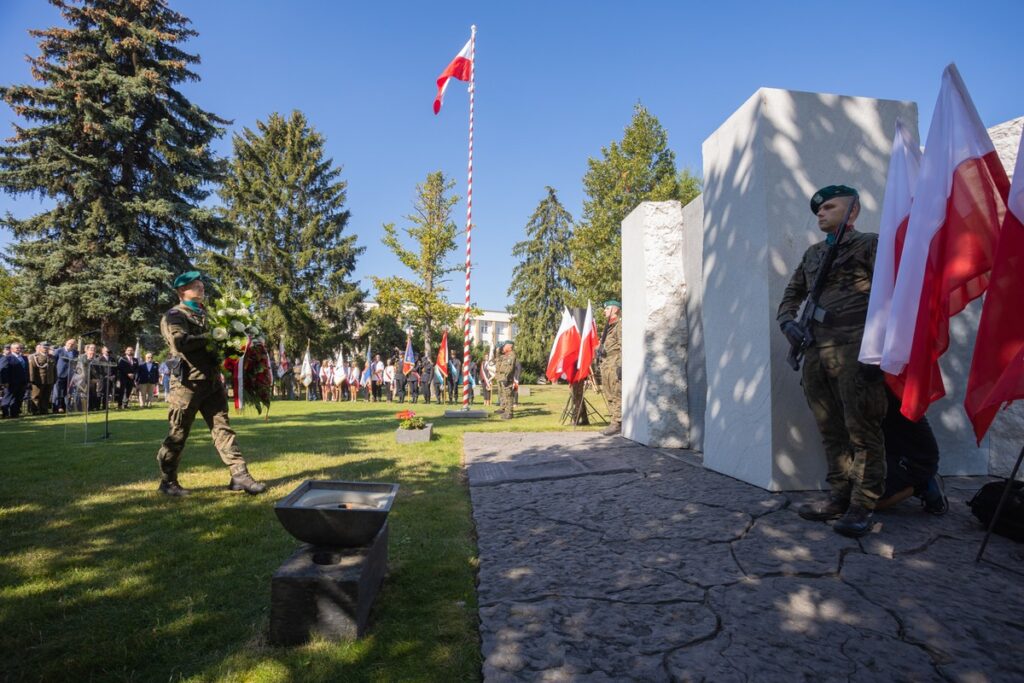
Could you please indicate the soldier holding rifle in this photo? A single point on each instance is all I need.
(847, 397)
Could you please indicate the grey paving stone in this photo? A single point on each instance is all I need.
(624, 563)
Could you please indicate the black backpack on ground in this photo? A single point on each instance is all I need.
(1011, 519)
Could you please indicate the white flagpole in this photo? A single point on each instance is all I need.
(469, 221)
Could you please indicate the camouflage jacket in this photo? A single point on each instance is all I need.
(846, 291)
(184, 330)
(505, 369)
(611, 347)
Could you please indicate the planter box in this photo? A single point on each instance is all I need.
(414, 435)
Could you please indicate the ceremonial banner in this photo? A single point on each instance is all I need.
(306, 374)
(441, 364)
(339, 368)
(409, 358)
(562, 359)
(997, 369)
(959, 203)
(588, 345)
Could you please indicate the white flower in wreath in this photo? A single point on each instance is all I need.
(238, 325)
(220, 334)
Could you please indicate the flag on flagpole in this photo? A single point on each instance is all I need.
(409, 358)
(588, 345)
(307, 369)
(339, 368)
(904, 164)
(997, 369)
(138, 350)
(562, 359)
(367, 377)
(959, 203)
(460, 68)
(441, 364)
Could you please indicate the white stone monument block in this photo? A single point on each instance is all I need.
(760, 168)
(655, 408)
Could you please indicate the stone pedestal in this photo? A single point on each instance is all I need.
(655, 406)
(415, 435)
(760, 168)
(326, 591)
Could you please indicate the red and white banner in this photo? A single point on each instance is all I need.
(460, 68)
(997, 370)
(588, 345)
(959, 203)
(562, 359)
(904, 164)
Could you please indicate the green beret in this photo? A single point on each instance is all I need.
(186, 278)
(830, 192)
(612, 302)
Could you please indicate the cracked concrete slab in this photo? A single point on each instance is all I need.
(601, 560)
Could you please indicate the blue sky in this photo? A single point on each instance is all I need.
(556, 82)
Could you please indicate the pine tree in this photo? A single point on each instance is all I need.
(420, 300)
(125, 159)
(640, 168)
(287, 201)
(540, 287)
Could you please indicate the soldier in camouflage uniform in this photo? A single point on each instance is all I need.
(611, 366)
(847, 397)
(196, 388)
(505, 369)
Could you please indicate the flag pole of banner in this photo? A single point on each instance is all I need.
(997, 369)
(588, 345)
(463, 68)
(959, 203)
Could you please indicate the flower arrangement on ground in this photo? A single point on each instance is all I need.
(408, 420)
(238, 339)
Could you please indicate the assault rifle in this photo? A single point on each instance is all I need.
(812, 311)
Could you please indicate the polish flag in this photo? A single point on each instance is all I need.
(588, 345)
(959, 203)
(997, 370)
(904, 165)
(562, 359)
(461, 68)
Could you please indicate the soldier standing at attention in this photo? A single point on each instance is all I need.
(505, 369)
(42, 375)
(196, 386)
(611, 366)
(847, 397)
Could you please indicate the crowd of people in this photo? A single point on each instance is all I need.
(75, 377)
(389, 380)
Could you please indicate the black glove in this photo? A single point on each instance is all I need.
(793, 333)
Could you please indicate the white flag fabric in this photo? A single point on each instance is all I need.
(307, 370)
(904, 165)
(339, 368)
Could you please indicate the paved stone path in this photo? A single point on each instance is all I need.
(604, 560)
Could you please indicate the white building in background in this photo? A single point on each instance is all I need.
(490, 327)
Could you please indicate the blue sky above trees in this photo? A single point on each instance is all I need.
(556, 82)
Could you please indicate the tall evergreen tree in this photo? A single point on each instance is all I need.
(420, 299)
(287, 201)
(639, 168)
(540, 286)
(125, 159)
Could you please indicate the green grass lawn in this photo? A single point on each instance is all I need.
(101, 578)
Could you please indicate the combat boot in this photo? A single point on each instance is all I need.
(855, 523)
(612, 429)
(171, 487)
(934, 498)
(822, 510)
(241, 480)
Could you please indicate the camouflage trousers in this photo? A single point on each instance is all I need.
(507, 398)
(849, 403)
(611, 387)
(209, 399)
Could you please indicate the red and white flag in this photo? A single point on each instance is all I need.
(562, 359)
(588, 345)
(997, 370)
(959, 202)
(904, 164)
(461, 68)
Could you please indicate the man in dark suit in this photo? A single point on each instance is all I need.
(14, 378)
(127, 370)
(65, 357)
(147, 377)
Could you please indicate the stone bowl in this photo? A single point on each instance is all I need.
(340, 514)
